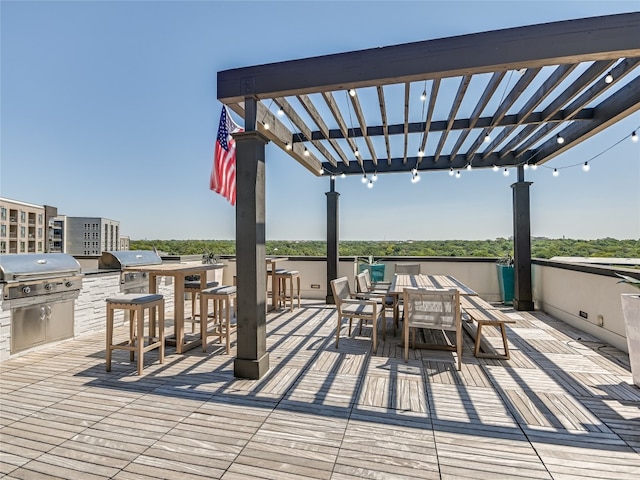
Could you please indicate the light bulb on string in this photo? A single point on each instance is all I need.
(469, 166)
(265, 125)
(352, 92)
(306, 152)
(364, 178)
(534, 166)
(559, 139)
(370, 184)
(526, 166)
(421, 153)
(356, 152)
(374, 177)
(586, 167)
(287, 146)
(343, 175)
(506, 172)
(458, 174)
(495, 168)
(608, 78)
(487, 138)
(634, 137)
(333, 177)
(451, 172)
(423, 97)
(280, 112)
(555, 172)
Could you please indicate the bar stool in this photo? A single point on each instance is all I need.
(222, 298)
(136, 304)
(282, 278)
(192, 287)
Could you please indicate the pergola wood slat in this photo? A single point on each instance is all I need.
(504, 106)
(462, 89)
(546, 89)
(298, 122)
(306, 102)
(489, 90)
(435, 87)
(383, 115)
(407, 91)
(335, 111)
(363, 125)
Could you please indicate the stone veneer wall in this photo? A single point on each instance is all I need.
(90, 310)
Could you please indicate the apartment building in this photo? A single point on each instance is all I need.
(87, 235)
(24, 227)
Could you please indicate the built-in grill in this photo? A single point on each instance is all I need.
(130, 282)
(40, 289)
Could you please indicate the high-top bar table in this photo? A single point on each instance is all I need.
(178, 271)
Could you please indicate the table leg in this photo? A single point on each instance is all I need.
(178, 302)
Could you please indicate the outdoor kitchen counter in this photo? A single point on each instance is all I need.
(178, 271)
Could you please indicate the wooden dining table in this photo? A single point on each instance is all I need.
(178, 271)
(402, 281)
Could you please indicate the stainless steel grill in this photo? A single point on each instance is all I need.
(130, 282)
(40, 289)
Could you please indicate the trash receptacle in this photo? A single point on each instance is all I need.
(376, 271)
(506, 283)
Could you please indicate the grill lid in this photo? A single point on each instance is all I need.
(15, 266)
(127, 258)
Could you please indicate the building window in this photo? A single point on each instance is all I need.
(23, 232)
(39, 232)
(3, 246)
(3, 213)
(22, 247)
(3, 230)
(39, 246)
(40, 219)
(23, 216)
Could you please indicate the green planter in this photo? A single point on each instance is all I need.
(506, 283)
(376, 270)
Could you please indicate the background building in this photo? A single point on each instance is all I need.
(23, 228)
(86, 235)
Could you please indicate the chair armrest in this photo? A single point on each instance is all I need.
(359, 301)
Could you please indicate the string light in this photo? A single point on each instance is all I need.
(555, 172)
(343, 175)
(356, 152)
(487, 138)
(333, 177)
(495, 168)
(526, 166)
(280, 112)
(534, 166)
(364, 178)
(288, 146)
(265, 125)
(506, 172)
(423, 97)
(370, 184)
(306, 152)
(634, 137)
(451, 171)
(608, 78)
(375, 177)
(559, 139)
(420, 153)
(469, 166)
(586, 167)
(458, 174)
(352, 92)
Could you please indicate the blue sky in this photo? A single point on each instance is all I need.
(109, 109)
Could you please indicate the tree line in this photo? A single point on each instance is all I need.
(499, 247)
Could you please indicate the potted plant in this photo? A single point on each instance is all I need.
(631, 314)
(376, 269)
(506, 279)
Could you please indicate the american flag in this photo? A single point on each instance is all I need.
(223, 173)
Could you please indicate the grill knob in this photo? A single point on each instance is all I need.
(68, 284)
(48, 287)
(26, 289)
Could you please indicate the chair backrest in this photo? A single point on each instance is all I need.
(409, 269)
(367, 279)
(432, 308)
(361, 283)
(340, 289)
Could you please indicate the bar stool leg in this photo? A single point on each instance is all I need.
(204, 316)
(161, 331)
(109, 336)
(140, 339)
(132, 324)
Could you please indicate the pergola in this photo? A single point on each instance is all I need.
(513, 98)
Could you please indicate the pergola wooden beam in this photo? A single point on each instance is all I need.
(534, 46)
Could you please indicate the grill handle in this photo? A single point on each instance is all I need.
(18, 276)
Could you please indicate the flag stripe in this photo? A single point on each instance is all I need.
(223, 173)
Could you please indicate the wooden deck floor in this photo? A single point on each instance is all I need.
(563, 407)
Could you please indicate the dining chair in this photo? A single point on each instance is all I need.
(351, 307)
(377, 286)
(379, 295)
(437, 309)
(407, 268)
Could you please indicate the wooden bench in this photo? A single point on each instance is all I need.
(485, 314)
